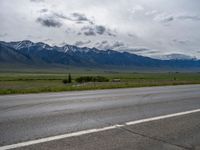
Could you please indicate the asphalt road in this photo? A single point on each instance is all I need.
(34, 116)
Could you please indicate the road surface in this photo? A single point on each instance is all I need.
(25, 118)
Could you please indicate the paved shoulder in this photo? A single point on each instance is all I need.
(177, 133)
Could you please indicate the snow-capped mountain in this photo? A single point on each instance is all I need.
(26, 44)
(21, 44)
(27, 52)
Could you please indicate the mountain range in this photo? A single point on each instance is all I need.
(41, 54)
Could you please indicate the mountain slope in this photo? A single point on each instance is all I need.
(10, 55)
(38, 54)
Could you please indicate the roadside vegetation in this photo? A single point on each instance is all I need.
(21, 82)
(84, 79)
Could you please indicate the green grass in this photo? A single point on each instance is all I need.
(31, 82)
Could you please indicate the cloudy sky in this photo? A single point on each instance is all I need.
(146, 27)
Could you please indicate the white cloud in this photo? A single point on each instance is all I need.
(136, 8)
(152, 24)
(165, 18)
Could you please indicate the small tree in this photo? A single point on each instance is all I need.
(69, 78)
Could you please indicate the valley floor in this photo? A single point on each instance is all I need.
(36, 82)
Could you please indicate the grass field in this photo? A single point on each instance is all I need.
(29, 82)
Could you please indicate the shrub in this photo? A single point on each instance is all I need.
(65, 81)
(91, 79)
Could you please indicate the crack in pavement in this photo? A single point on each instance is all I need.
(123, 127)
(156, 139)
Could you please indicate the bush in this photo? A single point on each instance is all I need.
(65, 81)
(91, 79)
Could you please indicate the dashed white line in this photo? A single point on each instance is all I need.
(67, 135)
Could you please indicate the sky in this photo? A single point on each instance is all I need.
(146, 27)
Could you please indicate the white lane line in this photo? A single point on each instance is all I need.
(58, 137)
(162, 117)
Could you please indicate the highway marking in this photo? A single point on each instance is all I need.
(78, 133)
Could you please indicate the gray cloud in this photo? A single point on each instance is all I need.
(49, 22)
(79, 18)
(164, 18)
(104, 42)
(122, 47)
(111, 34)
(104, 45)
(79, 33)
(53, 19)
(88, 31)
(168, 19)
(117, 44)
(74, 17)
(81, 43)
(189, 17)
(44, 10)
(69, 30)
(152, 52)
(100, 29)
(139, 49)
(182, 42)
(96, 30)
(59, 15)
(177, 56)
(132, 35)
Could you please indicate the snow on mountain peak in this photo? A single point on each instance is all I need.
(22, 44)
(71, 48)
